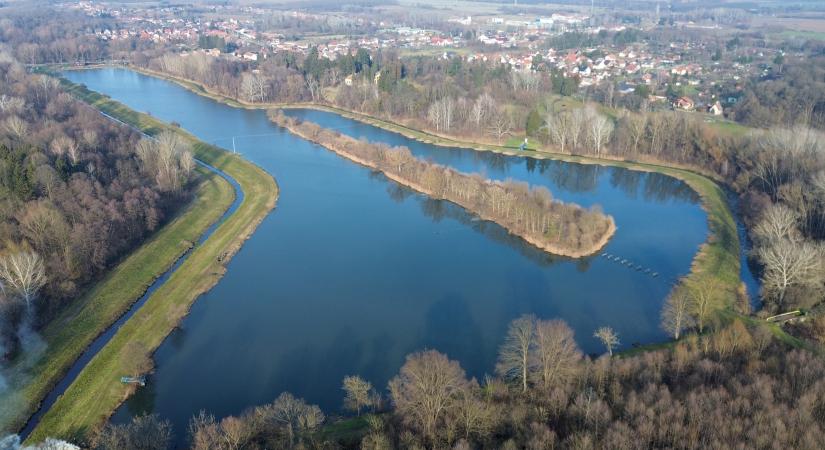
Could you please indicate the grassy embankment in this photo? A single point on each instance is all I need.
(717, 260)
(97, 392)
(68, 335)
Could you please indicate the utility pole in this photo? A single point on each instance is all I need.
(233, 145)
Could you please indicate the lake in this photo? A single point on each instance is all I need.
(351, 272)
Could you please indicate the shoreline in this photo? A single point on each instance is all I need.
(92, 398)
(34, 380)
(545, 246)
(718, 258)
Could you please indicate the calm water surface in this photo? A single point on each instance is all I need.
(351, 272)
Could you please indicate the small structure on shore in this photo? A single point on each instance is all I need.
(141, 380)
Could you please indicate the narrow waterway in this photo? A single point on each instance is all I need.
(351, 272)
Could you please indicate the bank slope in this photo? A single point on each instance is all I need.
(97, 392)
(73, 331)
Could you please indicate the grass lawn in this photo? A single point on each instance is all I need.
(97, 392)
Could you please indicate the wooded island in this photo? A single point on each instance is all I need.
(531, 213)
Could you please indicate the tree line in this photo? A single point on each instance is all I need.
(76, 194)
(530, 213)
(737, 387)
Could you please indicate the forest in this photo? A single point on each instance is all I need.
(738, 387)
(77, 193)
(530, 213)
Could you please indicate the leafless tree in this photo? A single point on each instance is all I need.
(481, 109)
(475, 415)
(295, 415)
(9, 104)
(556, 353)
(359, 393)
(313, 87)
(514, 356)
(599, 129)
(64, 145)
(676, 314)
(557, 127)
(427, 387)
(703, 295)
(254, 86)
(501, 125)
(143, 432)
(777, 222)
(15, 127)
(440, 114)
(636, 124)
(608, 337)
(168, 159)
(789, 264)
(577, 122)
(23, 273)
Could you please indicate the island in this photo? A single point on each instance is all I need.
(531, 213)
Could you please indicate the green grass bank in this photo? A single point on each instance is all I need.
(97, 392)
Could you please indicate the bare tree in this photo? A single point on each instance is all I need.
(143, 432)
(359, 393)
(313, 87)
(501, 125)
(440, 114)
(702, 304)
(676, 315)
(15, 126)
(789, 264)
(10, 104)
(599, 129)
(636, 124)
(556, 353)
(577, 121)
(481, 109)
(514, 357)
(235, 432)
(294, 414)
(23, 273)
(254, 86)
(167, 158)
(608, 337)
(64, 145)
(557, 128)
(475, 415)
(427, 387)
(777, 222)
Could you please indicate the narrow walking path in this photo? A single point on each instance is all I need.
(107, 335)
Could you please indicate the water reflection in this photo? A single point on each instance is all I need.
(351, 272)
(577, 178)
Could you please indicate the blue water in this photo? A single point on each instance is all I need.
(351, 272)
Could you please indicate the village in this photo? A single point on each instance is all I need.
(684, 75)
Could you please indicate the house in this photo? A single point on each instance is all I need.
(684, 103)
(716, 109)
(348, 80)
